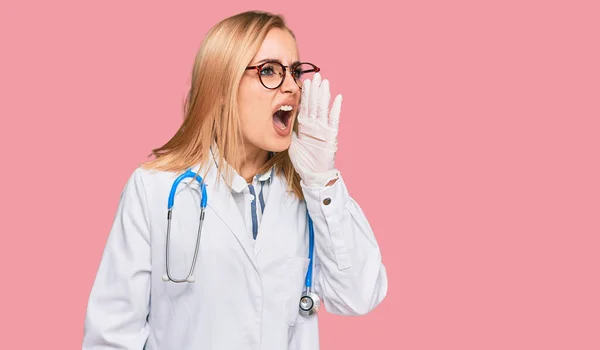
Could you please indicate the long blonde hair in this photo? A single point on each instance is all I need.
(211, 109)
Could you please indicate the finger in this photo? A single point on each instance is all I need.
(323, 103)
(304, 99)
(314, 96)
(334, 115)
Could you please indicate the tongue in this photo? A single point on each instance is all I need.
(277, 119)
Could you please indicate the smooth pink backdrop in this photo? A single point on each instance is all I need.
(469, 135)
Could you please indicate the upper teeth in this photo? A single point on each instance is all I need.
(286, 108)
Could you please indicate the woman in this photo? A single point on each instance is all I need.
(265, 186)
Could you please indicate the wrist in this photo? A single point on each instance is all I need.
(322, 179)
(330, 183)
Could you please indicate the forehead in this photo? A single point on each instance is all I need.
(280, 45)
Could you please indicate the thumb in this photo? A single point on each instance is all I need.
(292, 147)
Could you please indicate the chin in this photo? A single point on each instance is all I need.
(278, 145)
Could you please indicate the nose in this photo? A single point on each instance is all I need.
(289, 83)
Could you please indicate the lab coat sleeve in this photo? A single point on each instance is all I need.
(119, 301)
(348, 274)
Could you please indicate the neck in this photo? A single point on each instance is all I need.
(251, 162)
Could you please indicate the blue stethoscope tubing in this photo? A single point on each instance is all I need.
(189, 173)
(309, 301)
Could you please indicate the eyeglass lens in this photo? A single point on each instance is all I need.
(271, 74)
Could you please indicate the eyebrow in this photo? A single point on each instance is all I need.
(272, 60)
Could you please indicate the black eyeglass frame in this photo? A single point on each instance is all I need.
(260, 67)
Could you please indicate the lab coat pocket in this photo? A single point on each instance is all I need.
(296, 272)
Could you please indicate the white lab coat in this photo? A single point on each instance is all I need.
(246, 292)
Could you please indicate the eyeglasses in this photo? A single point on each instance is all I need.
(272, 73)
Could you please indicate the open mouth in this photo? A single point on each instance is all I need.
(282, 118)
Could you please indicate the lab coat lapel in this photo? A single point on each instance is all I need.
(278, 201)
(223, 205)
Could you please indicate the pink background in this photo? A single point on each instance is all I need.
(469, 135)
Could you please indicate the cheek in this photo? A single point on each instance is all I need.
(255, 106)
(252, 111)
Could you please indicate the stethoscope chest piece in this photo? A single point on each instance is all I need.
(309, 303)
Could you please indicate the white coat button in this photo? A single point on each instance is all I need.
(251, 197)
(326, 201)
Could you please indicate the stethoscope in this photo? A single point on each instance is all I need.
(310, 302)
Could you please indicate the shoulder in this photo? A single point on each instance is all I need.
(149, 188)
(150, 181)
(152, 175)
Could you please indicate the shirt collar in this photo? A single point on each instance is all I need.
(238, 183)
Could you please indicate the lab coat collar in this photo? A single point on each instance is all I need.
(221, 201)
(278, 202)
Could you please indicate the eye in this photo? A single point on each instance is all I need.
(301, 70)
(267, 70)
(298, 72)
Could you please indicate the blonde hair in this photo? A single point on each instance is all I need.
(211, 109)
